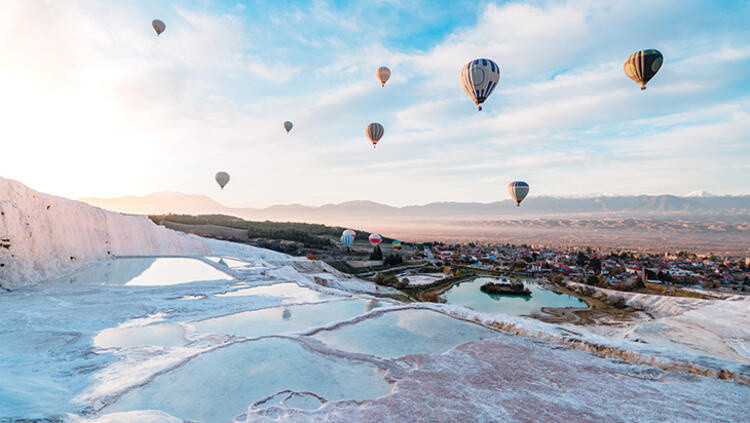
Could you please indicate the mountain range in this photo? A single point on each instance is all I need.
(699, 207)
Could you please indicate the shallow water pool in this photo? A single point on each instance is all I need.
(398, 333)
(222, 384)
(157, 271)
(468, 294)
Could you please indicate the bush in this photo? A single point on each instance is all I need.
(306, 233)
(379, 278)
(403, 284)
(592, 280)
(390, 280)
(311, 256)
(393, 260)
(278, 246)
(431, 297)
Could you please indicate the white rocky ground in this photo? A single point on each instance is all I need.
(715, 327)
(292, 339)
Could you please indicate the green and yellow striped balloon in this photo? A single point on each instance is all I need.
(642, 65)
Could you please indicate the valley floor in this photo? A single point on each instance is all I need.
(262, 337)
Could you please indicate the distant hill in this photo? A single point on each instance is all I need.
(700, 207)
(159, 203)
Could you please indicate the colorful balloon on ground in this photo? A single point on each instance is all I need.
(479, 78)
(158, 26)
(222, 178)
(347, 240)
(396, 244)
(383, 73)
(518, 191)
(350, 232)
(288, 126)
(375, 239)
(642, 65)
(374, 132)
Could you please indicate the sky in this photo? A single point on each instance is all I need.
(92, 103)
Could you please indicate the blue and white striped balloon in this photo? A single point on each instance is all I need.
(347, 240)
(518, 191)
(479, 78)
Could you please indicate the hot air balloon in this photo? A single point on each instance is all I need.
(478, 78)
(222, 178)
(383, 73)
(374, 132)
(158, 26)
(347, 240)
(286, 314)
(288, 126)
(642, 65)
(396, 244)
(375, 239)
(518, 191)
(351, 232)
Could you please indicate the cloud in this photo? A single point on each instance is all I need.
(91, 86)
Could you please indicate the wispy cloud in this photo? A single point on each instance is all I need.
(91, 87)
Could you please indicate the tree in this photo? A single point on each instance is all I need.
(596, 265)
(393, 259)
(581, 259)
(592, 280)
(639, 283)
(376, 254)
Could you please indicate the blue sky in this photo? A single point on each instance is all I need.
(96, 105)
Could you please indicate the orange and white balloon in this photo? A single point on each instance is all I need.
(383, 74)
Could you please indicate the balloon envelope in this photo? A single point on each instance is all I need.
(479, 78)
(347, 240)
(374, 132)
(642, 65)
(396, 244)
(518, 191)
(350, 232)
(288, 126)
(222, 178)
(383, 73)
(158, 26)
(375, 239)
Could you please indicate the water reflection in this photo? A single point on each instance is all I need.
(398, 333)
(160, 271)
(469, 294)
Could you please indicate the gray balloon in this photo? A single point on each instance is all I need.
(288, 126)
(158, 26)
(222, 178)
